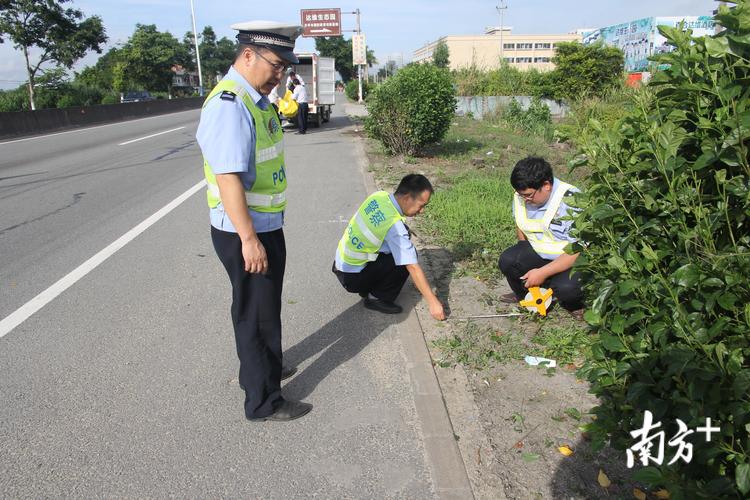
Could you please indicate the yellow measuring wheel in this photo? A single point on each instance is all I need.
(538, 300)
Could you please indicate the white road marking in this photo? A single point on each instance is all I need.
(150, 136)
(83, 129)
(25, 311)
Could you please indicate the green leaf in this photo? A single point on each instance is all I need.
(573, 413)
(742, 477)
(717, 47)
(530, 457)
(649, 475)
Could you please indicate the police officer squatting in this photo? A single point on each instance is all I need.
(243, 161)
(375, 254)
(543, 229)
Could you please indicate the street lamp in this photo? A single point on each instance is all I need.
(501, 9)
(197, 52)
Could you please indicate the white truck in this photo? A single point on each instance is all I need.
(319, 76)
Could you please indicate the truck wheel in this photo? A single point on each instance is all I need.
(318, 118)
(326, 115)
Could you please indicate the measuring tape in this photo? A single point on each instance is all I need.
(538, 300)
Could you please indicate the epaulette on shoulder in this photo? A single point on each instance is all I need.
(228, 95)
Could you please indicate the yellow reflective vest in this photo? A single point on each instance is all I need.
(366, 231)
(537, 231)
(268, 193)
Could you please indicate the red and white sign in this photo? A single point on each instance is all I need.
(321, 22)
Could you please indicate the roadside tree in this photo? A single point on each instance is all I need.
(341, 49)
(146, 60)
(441, 56)
(585, 70)
(62, 36)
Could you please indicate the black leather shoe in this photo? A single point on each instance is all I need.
(287, 410)
(382, 306)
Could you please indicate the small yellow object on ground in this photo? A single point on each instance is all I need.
(538, 300)
(565, 450)
(604, 481)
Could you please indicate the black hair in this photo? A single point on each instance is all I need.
(531, 173)
(413, 185)
(295, 81)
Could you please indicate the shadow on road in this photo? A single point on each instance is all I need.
(339, 340)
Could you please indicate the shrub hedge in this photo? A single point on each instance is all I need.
(666, 221)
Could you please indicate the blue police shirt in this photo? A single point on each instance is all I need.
(226, 135)
(396, 242)
(559, 228)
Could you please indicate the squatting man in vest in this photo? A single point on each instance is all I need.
(375, 255)
(539, 258)
(242, 144)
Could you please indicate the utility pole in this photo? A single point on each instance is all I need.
(501, 8)
(197, 52)
(359, 66)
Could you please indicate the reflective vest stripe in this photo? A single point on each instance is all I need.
(357, 255)
(269, 153)
(254, 199)
(366, 231)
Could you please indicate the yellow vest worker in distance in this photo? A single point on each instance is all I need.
(375, 255)
(539, 258)
(243, 161)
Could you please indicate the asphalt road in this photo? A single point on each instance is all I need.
(124, 383)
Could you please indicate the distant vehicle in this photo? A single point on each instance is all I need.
(319, 75)
(136, 96)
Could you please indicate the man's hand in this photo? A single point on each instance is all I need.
(535, 277)
(254, 255)
(437, 311)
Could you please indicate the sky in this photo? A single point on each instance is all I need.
(394, 29)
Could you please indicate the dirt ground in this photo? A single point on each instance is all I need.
(510, 418)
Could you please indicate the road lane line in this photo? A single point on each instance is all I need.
(25, 311)
(89, 128)
(150, 136)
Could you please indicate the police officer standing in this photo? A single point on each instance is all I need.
(242, 144)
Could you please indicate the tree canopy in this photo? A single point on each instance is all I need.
(582, 70)
(440, 57)
(146, 60)
(341, 50)
(62, 35)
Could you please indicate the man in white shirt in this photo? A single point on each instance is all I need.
(300, 95)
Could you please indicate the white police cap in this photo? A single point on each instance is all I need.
(277, 37)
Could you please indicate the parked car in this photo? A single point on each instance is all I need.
(136, 96)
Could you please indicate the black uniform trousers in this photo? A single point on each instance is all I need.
(382, 278)
(521, 258)
(302, 116)
(256, 316)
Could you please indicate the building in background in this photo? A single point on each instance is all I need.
(483, 51)
(641, 39)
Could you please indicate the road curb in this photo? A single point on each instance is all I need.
(449, 476)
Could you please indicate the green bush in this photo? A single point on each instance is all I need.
(352, 89)
(412, 109)
(110, 99)
(666, 221)
(14, 100)
(605, 109)
(506, 81)
(536, 119)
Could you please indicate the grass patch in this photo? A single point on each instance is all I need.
(566, 344)
(477, 346)
(473, 219)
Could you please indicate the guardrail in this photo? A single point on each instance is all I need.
(23, 123)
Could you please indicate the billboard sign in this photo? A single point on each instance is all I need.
(359, 49)
(320, 22)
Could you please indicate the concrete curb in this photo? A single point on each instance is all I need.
(449, 476)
